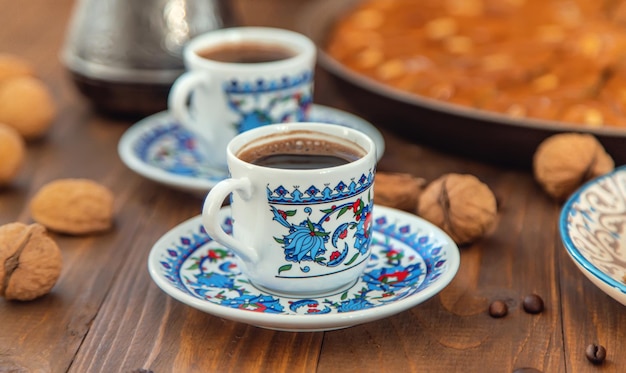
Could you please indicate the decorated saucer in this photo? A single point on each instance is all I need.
(593, 230)
(411, 261)
(160, 149)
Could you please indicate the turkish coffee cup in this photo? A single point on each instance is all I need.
(301, 197)
(241, 78)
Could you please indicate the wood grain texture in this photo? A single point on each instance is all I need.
(44, 335)
(106, 315)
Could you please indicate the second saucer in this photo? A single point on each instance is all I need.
(164, 151)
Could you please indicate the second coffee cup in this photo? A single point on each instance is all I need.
(242, 78)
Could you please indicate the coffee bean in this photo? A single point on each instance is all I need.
(526, 370)
(498, 309)
(533, 303)
(595, 353)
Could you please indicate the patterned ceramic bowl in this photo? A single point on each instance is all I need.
(593, 230)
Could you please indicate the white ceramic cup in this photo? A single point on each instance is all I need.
(218, 100)
(297, 232)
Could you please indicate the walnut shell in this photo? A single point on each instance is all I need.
(12, 153)
(461, 205)
(13, 66)
(563, 162)
(73, 206)
(26, 105)
(30, 261)
(397, 190)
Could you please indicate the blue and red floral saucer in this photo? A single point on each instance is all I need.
(411, 261)
(162, 150)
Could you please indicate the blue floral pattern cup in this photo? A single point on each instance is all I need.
(218, 100)
(297, 232)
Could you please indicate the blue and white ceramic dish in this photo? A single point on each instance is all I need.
(593, 230)
(412, 260)
(164, 151)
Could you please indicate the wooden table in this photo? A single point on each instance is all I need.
(106, 315)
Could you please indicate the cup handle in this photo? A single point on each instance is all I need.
(213, 203)
(180, 92)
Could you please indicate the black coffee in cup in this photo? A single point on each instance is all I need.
(247, 52)
(301, 153)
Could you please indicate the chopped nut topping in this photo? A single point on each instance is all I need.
(391, 69)
(368, 19)
(440, 28)
(545, 83)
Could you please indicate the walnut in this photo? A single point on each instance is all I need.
(73, 206)
(397, 190)
(12, 152)
(461, 205)
(26, 105)
(30, 261)
(12, 66)
(563, 162)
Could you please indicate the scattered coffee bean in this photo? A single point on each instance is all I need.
(498, 309)
(526, 370)
(533, 303)
(595, 353)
